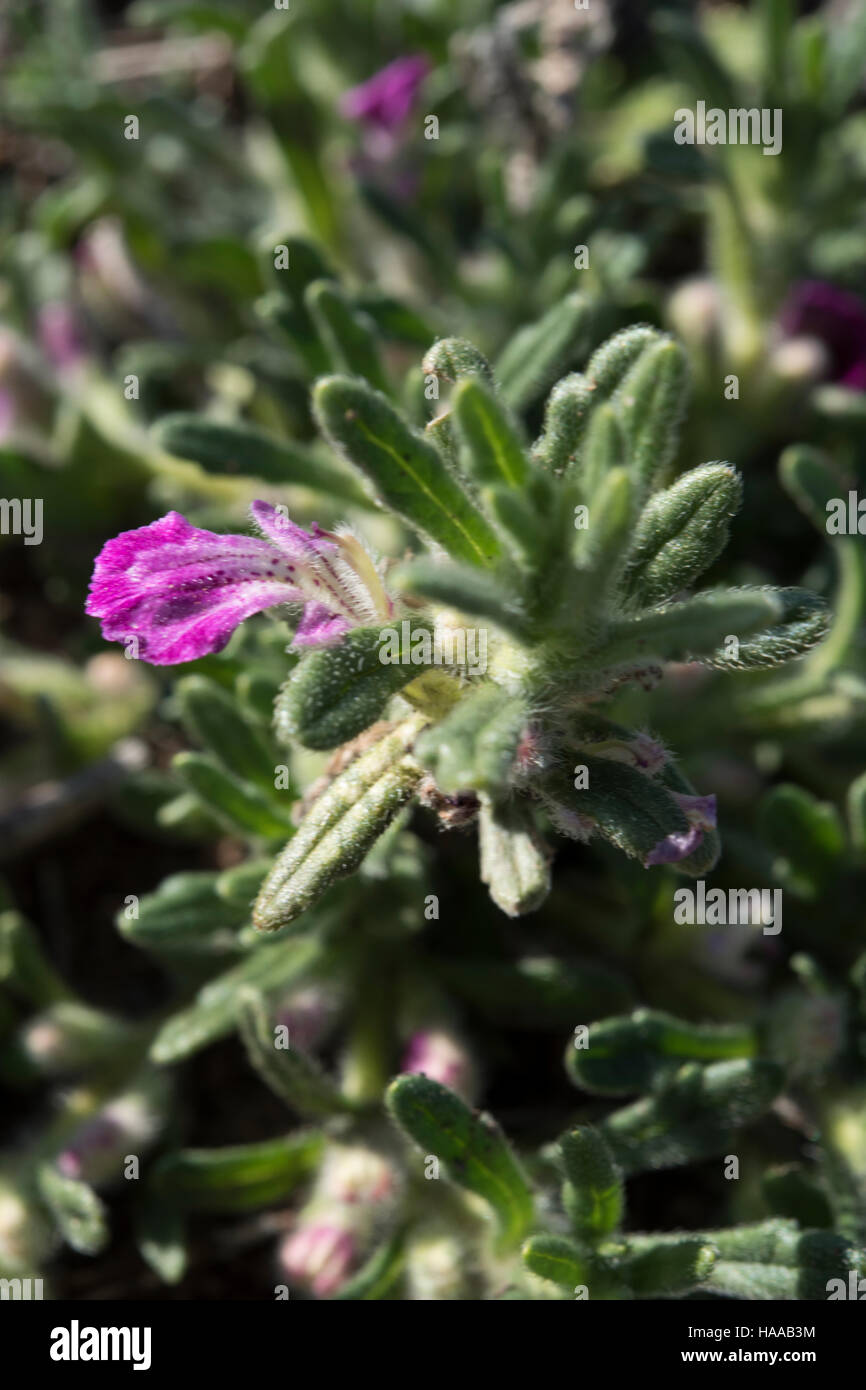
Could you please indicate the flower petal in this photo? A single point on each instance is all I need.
(387, 97)
(320, 565)
(319, 627)
(675, 847)
(181, 591)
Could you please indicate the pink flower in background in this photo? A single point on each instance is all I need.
(387, 98)
(837, 318)
(59, 335)
(7, 414)
(319, 1254)
(439, 1056)
(181, 591)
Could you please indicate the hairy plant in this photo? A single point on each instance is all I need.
(473, 676)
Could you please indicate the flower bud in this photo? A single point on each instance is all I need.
(357, 1176)
(319, 1255)
(25, 1236)
(800, 361)
(69, 1036)
(308, 1014)
(95, 1151)
(694, 309)
(435, 1268)
(437, 1054)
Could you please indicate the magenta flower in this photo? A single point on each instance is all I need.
(816, 309)
(700, 812)
(180, 592)
(386, 99)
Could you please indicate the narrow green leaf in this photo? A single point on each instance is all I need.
(185, 910)
(535, 355)
(470, 1147)
(600, 551)
(557, 1259)
(214, 1012)
(456, 359)
(694, 1117)
(808, 835)
(475, 745)
(334, 693)
(857, 813)
(633, 811)
(292, 1075)
(79, 1213)
(805, 621)
(211, 718)
(604, 451)
(248, 451)
(494, 451)
(659, 1268)
(244, 1177)
(470, 591)
(696, 629)
(406, 470)
(238, 804)
(161, 1237)
(682, 531)
(515, 862)
(349, 336)
(377, 1276)
(342, 826)
(651, 400)
(593, 1194)
(24, 967)
(634, 1053)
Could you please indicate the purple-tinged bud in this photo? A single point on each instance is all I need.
(319, 1255)
(700, 812)
(437, 1054)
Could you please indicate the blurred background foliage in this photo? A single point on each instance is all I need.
(138, 282)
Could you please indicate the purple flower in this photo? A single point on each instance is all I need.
(180, 592)
(386, 99)
(816, 309)
(700, 812)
